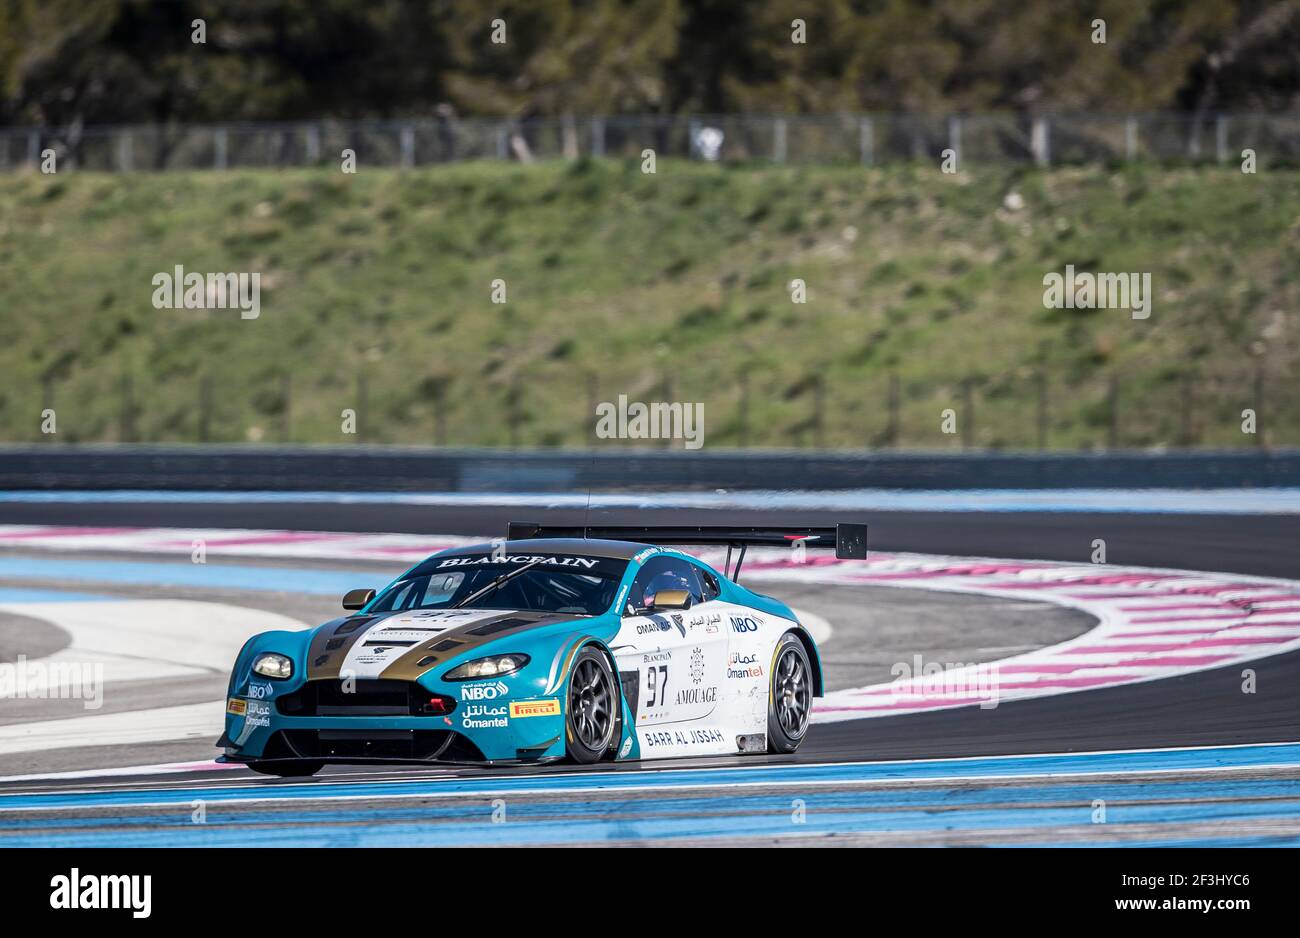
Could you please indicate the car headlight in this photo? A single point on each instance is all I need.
(273, 665)
(495, 666)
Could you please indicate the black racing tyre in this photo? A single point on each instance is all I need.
(297, 768)
(789, 695)
(591, 714)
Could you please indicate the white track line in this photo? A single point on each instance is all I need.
(189, 721)
(128, 640)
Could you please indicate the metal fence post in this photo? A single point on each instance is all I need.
(514, 412)
(1130, 139)
(312, 143)
(778, 140)
(205, 408)
(1042, 407)
(219, 141)
(742, 417)
(589, 422)
(503, 151)
(124, 151)
(1040, 141)
(408, 147)
(363, 407)
(439, 415)
(597, 137)
(667, 398)
(284, 406)
(954, 138)
(1221, 139)
(866, 141)
(894, 429)
(126, 431)
(968, 414)
(819, 409)
(47, 401)
(34, 147)
(1260, 437)
(1186, 429)
(1112, 429)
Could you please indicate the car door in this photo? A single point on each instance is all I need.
(671, 662)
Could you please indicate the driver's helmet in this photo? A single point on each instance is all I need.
(668, 580)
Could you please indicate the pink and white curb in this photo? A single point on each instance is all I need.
(1151, 624)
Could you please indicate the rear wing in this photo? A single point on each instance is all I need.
(849, 541)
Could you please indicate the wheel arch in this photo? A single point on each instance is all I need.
(814, 658)
(622, 721)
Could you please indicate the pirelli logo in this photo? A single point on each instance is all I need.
(236, 706)
(534, 708)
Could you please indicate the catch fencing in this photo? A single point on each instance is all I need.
(863, 139)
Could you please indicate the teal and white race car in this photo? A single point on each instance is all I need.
(586, 643)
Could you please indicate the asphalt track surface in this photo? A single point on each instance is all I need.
(1204, 709)
(1265, 545)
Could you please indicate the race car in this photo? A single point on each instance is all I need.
(579, 643)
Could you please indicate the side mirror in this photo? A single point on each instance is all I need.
(357, 599)
(672, 599)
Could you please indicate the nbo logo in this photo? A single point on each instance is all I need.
(484, 691)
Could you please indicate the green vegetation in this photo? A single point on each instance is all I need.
(83, 62)
(376, 295)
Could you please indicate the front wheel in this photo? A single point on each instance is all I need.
(289, 769)
(591, 718)
(789, 695)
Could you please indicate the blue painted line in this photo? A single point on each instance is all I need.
(567, 830)
(1228, 840)
(183, 573)
(1142, 501)
(1073, 798)
(991, 767)
(25, 595)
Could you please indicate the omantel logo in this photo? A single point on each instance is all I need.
(489, 691)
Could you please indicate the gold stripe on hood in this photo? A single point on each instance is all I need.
(323, 662)
(467, 638)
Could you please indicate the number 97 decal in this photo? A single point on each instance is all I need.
(656, 685)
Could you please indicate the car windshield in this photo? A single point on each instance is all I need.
(539, 583)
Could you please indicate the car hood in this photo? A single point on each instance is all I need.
(404, 645)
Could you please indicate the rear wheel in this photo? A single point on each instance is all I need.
(591, 717)
(289, 769)
(789, 696)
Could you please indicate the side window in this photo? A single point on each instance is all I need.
(709, 588)
(399, 598)
(663, 573)
(440, 588)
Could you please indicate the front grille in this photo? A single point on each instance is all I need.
(369, 697)
(379, 745)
